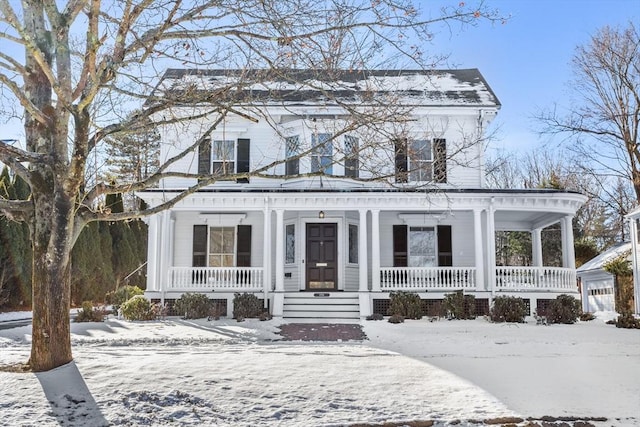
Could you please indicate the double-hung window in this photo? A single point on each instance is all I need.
(420, 161)
(422, 247)
(322, 155)
(222, 244)
(292, 151)
(223, 155)
(351, 149)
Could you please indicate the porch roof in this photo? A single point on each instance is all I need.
(514, 209)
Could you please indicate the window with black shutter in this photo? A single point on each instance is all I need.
(445, 249)
(243, 159)
(204, 157)
(199, 246)
(440, 160)
(401, 160)
(400, 246)
(243, 248)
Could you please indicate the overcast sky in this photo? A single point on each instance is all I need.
(527, 60)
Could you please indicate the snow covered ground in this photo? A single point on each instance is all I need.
(178, 372)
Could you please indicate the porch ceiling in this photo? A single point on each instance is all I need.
(525, 220)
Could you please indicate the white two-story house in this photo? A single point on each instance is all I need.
(332, 191)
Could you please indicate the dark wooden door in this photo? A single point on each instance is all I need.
(322, 257)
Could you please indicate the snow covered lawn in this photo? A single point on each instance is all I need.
(177, 372)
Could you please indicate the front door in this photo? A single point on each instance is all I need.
(322, 257)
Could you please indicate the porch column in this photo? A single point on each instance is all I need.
(477, 241)
(278, 297)
(536, 242)
(633, 231)
(375, 250)
(165, 248)
(365, 305)
(266, 252)
(152, 252)
(568, 250)
(491, 249)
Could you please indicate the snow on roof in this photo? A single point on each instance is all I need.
(598, 262)
(465, 87)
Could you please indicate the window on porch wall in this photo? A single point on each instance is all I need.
(221, 246)
(422, 246)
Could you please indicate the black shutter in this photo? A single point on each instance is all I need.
(400, 246)
(204, 157)
(440, 160)
(401, 160)
(445, 248)
(199, 246)
(243, 251)
(243, 158)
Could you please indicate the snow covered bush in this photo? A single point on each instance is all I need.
(405, 304)
(396, 318)
(508, 309)
(119, 296)
(193, 306)
(375, 316)
(246, 305)
(460, 306)
(138, 308)
(564, 309)
(628, 321)
(89, 313)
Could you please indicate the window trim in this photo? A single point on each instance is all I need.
(356, 243)
(214, 160)
(235, 245)
(321, 150)
(435, 244)
(292, 159)
(352, 154)
(287, 260)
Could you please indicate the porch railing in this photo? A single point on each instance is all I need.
(427, 278)
(216, 278)
(536, 278)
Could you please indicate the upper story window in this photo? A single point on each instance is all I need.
(351, 150)
(292, 151)
(223, 156)
(322, 154)
(421, 160)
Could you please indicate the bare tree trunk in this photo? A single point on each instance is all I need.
(51, 231)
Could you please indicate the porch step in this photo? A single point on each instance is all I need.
(321, 305)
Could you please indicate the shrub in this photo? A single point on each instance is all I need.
(119, 296)
(138, 308)
(508, 309)
(265, 316)
(564, 309)
(89, 313)
(627, 320)
(246, 305)
(585, 317)
(375, 316)
(405, 304)
(460, 306)
(396, 318)
(193, 306)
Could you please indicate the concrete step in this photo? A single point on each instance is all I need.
(320, 314)
(321, 301)
(322, 307)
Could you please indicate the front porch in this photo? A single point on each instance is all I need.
(365, 245)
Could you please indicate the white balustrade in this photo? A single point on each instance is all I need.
(216, 278)
(536, 278)
(427, 278)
